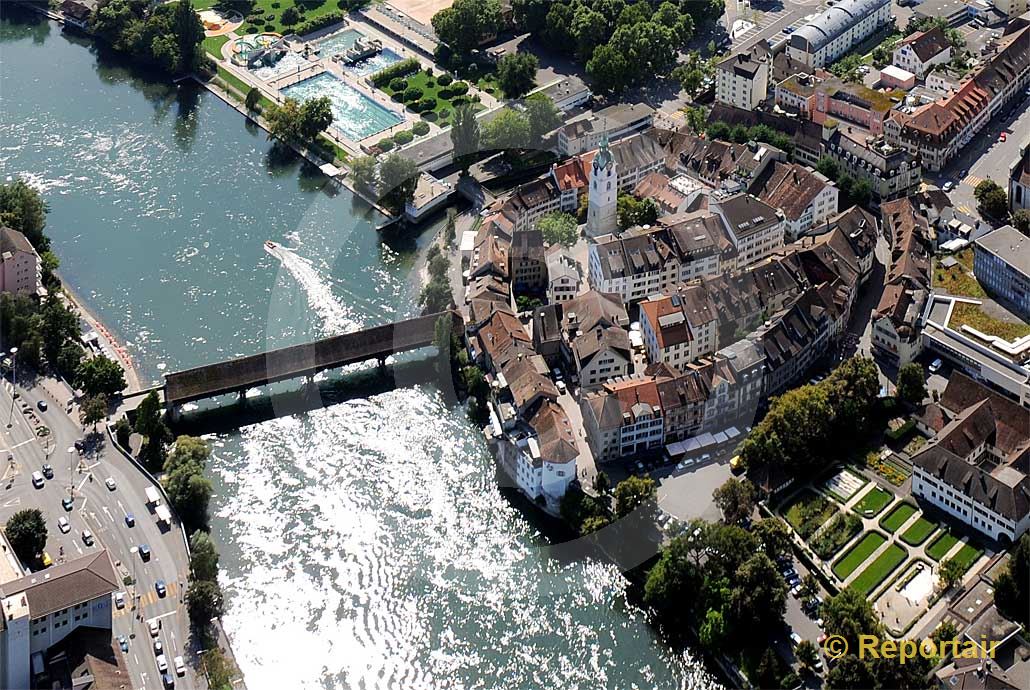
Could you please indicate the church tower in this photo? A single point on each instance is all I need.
(603, 193)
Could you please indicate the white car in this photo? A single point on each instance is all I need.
(119, 600)
(180, 667)
(948, 186)
(63, 525)
(37, 480)
(87, 537)
(110, 484)
(159, 648)
(154, 630)
(162, 663)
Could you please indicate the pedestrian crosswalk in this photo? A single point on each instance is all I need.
(146, 599)
(972, 180)
(965, 209)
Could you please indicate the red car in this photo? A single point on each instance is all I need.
(1002, 137)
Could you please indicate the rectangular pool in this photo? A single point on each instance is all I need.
(384, 59)
(338, 42)
(355, 115)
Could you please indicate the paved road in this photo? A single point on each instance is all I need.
(102, 512)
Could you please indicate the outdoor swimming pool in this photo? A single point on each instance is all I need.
(375, 63)
(355, 115)
(338, 42)
(289, 63)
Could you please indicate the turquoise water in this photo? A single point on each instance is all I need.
(354, 114)
(363, 545)
(338, 42)
(384, 59)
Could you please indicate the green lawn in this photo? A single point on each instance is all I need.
(431, 88)
(920, 530)
(967, 555)
(857, 554)
(875, 500)
(269, 12)
(941, 545)
(839, 532)
(808, 511)
(897, 517)
(234, 81)
(213, 45)
(880, 569)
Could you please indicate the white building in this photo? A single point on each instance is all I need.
(41, 609)
(836, 30)
(678, 328)
(20, 269)
(804, 197)
(755, 228)
(623, 419)
(922, 50)
(972, 470)
(742, 80)
(564, 275)
(602, 197)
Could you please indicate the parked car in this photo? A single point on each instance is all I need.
(47, 560)
(795, 638)
(123, 643)
(42, 403)
(153, 627)
(87, 537)
(159, 648)
(167, 679)
(48, 471)
(63, 525)
(162, 663)
(119, 600)
(1001, 137)
(948, 186)
(180, 666)
(936, 365)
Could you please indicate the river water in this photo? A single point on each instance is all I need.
(366, 544)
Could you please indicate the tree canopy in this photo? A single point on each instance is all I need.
(27, 533)
(516, 73)
(467, 22)
(398, 177)
(465, 135)
(912, 383)
(558, 228)
(297, 122)
(1012, 590)
(991, 199)
(100, 376)
(634, 492)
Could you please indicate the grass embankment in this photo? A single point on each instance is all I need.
(446, 96)
(857, 554)
(875, 500)
(213, 46)
(897, 517)
(941, 545)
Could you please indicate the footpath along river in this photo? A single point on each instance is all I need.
(364, 545)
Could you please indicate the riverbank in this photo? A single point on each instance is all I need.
(111, 344)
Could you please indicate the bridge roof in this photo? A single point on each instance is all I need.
(301, 360)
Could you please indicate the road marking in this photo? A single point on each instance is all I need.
(12, 502)
(122, 508)
(108, 514)
(82, 483)
(85, 500)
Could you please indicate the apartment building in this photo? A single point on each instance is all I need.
(595, 341)
(922, 50)
(836, 30)
(20, 269)
(805, 198)
(633, 159)
(1002, 265)
(564, 275)
(755, 228)
(624, 418)
(974, 470)
(891, 171)
(742, 80)
(614, 122)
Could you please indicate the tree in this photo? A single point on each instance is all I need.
(774, 536)
(911, 383)
(398, 177)
(849, 673)
(530, 15)
(467, 22)
(252, 99)
(465, 135)
(149, 422)
(23, 209)
(93, 410)
(559, 228)
(854, 387)
(1012, 586)
(736, 499)
(1020, 220)
(947, 630)
(188, 490)
(991, 199)
(189, 33)
(435, 296)
(290, 16)
(297, 122)
(543, 117)
(769, 672)
(203, 602)
(203, 557)
(676, 573)
(601, 482)
(759, 595)
(59, 326)
(849, 614)
(516, 73)
(634, 492)
(608, 69)
(807, 654)
(450, 231)
(809, 587)
(828, 167)
(27, 533)
(632, 212)
(100, 376)
(589, 29)
(363, 173)
(713, 630)
(507, 131)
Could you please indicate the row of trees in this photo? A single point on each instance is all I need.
(299, 123)
(806, 428)
(855, 191)
(741, 134)
(392, 180)
(167, 36)
(992, 200)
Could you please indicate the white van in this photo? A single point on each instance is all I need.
(37, 480)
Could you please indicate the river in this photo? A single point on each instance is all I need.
(365, 544)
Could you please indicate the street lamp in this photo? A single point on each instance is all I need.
(14, 384)
(71, 477)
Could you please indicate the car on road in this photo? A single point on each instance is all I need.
(162, 663)
(110, 484)
(159, 586)
(560, 385)
(153, 627)
(42, 403)
(159, 648)
(788, 29)
(119, 600)
(948, 186)
(48, 471)
(936, 365)
(144, 552)
(795, 638)
(37, 480)
(123, 643)
(1001, 137)
(80, 446)
(47, 560)
(180, 666)
(130, 520)
(87, 537)
(63, 525)
(167, 679)
(67, 503)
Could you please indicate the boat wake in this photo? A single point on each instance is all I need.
(335, 317)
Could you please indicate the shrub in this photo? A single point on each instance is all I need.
(431, 116)
(385, 144)
(459, 100)
(459, 87)
(270, 18)
(429, 71)
(276, 5)
(426, 104)
(318, 22)
(403, 137)
(398, 84)
(444, 79)
(269, 27)
(420, 128)
(258, 10)
(444, 113)
(398, 69)
(291, 16)
(412, 94)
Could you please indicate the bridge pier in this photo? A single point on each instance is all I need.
(382, 362)
(174, 413)
(241, 397)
